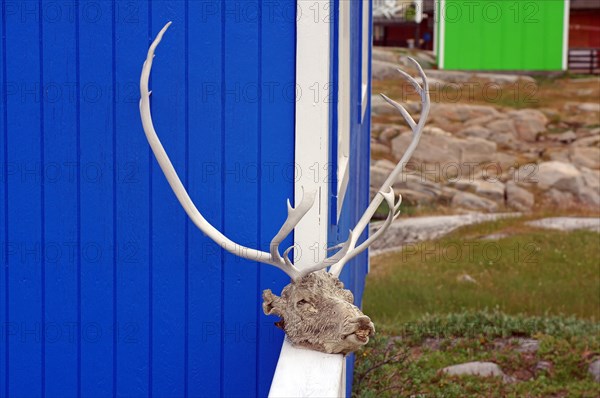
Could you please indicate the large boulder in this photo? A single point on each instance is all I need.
(467, 200)
(559, 175)
(443, 149)
(529, 123)
(493, 190)
(518, 198)
(458, 112)
(585, 157)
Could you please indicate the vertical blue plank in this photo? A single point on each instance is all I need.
(277, 34)
(60, 179)
(3, 210)
(168, 218)
(97, 190)
(130, 39)
(206, 189)
(23, 125)
(240, 160)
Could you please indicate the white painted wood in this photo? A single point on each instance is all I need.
(307, 373)
(301, 372)
(566, 17)
(442, 16)
(312, 129)
(365, 56)
(343, 105)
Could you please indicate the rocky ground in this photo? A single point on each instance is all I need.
(493, 142)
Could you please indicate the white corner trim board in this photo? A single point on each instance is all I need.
(307, 373)
(565, 48)
(301, 372)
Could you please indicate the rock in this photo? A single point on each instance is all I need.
(416, 197)
(390, 132)
(466, 278)
(585, 157)
(591, 178)
(551, 113)
(568, 223)
(502, 126)
(589, 107)
(594, 370)
(587, 141)
(589, 196)
(380, 107)
(529, 123)
(382, 70)
(458, 112)
(470, 201)
(379, 150)
(482, 369)
(405, 231)
(476, 131)
(378, 176)
(518, 198)
(439, 147)
(559, 175)
(558, 154)
(565, 138)
(497, 236)
(558, 198)
(491, 190)
(527, 345)
(464, 184)
(543, 366)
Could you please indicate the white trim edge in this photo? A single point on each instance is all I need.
(442, 33)
(566, 19)
(302, 372)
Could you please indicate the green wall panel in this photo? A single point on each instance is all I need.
(502, 34)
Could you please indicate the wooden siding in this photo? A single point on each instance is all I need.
(106, 288)
(356, 198)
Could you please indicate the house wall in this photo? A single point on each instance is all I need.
(106, 288)
(356, 198)
(584, 28)
(502, 35)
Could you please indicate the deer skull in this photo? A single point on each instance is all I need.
(316, 311)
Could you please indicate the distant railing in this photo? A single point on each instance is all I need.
(584, 60)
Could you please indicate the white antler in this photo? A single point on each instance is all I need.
(386, 191)
(348, 249)
(294, 214)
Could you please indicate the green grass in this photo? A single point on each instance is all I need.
(529, 271)
(529, 284)
(399, 367)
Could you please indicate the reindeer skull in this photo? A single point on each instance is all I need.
(316, 311)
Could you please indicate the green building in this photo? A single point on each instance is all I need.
(503, 35)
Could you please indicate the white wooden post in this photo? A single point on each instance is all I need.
(301, 372)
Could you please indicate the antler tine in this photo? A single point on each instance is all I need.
(386, 191)
(393, 213)
(411, 122)
(294, 215)
(293, 218)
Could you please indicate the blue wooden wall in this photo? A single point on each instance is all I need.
(356, 199)
(106, 289)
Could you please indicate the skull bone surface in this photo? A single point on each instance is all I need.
(318, 313)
